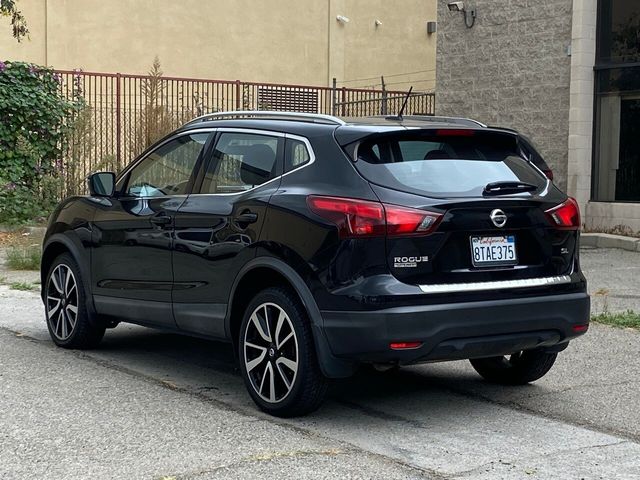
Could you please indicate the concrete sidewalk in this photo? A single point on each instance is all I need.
(614, 278)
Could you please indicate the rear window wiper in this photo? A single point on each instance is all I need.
(505, 188)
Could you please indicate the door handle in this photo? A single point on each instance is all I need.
(161, 219)
(246, 218)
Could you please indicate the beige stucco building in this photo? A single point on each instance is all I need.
(280, 41)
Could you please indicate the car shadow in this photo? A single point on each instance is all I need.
(438, 387)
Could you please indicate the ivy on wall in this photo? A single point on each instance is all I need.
(34, 122)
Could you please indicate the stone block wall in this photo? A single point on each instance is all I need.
(512, 69)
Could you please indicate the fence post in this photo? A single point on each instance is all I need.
(333, 96)
(237, 94)
(344, 100)
(384, 96)
(118, 123)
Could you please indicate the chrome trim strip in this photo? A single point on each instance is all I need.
(497, 285)
(253, 131)
(320, 118)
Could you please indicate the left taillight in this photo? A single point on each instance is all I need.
(565, 216)
(362, 218)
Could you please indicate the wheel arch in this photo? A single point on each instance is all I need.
(264, 272)
(67, 242)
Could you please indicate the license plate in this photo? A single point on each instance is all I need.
(491, 251)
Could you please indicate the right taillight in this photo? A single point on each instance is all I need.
(565, 216)
(363, 218)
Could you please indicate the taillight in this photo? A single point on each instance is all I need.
(352, 217)
(358, 218)
(580, 328)
(565, 216)
(404, 345)
(410, 221)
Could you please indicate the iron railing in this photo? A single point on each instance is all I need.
(123, 114)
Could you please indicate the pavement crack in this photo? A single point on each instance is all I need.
(521, 461)
(586, 385)
(263, 457)
(530, 411)
(372, 412)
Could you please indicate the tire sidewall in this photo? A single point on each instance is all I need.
(297, 318)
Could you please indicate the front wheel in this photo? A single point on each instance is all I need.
(516, 369)
(65, 307)
(277, 355)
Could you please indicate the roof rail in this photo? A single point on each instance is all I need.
(291, 116)
(438, 119)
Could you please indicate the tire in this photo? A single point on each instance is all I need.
(268, 352)
(64, 293)
(519, 369)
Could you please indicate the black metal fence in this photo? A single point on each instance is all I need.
(123, 114)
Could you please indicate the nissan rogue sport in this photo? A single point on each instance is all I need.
(316, 245)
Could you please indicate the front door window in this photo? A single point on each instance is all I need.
(168, 169)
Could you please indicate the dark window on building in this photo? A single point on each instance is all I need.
(619, 31)
(628, 184)
(616, 175)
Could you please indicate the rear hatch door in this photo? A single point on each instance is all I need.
(493, 202)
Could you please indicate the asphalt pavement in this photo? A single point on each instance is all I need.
(152, 405)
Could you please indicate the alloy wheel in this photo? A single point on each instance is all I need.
(62, 302)
(271, 352)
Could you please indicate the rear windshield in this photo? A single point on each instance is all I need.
(445, 163)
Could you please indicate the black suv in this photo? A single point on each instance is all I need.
(315, 246)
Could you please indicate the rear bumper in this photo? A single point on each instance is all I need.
(457, 330)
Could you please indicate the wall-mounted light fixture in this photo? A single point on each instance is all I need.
(342, 19)
(469, 15)
(432, 27)
(377, 23)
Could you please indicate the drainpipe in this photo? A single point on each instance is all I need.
(46, 33)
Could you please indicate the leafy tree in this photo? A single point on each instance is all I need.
(18, 22)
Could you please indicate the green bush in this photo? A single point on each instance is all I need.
(35, 118)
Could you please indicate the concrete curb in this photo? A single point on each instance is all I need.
(607, 240)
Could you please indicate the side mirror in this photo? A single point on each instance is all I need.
(102, 184)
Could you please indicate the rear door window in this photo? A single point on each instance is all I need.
(458, 163)
(242, 161)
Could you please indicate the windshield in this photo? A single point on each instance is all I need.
(444, 163)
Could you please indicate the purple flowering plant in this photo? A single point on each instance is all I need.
(37, 118)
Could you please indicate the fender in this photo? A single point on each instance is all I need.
(73, 244)
(331, 366)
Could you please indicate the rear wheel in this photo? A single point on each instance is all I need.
(516, 369)
(65, 307)
(277, 355)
